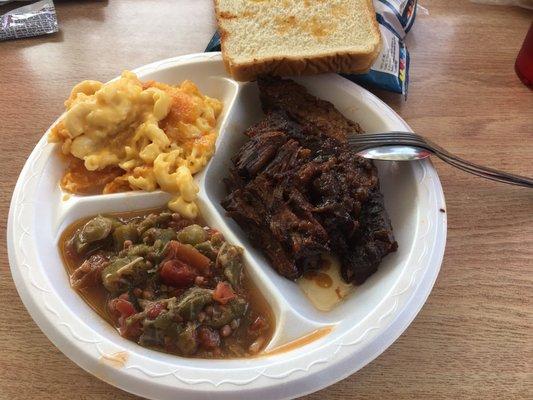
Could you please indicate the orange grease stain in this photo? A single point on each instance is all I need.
(301, 341)
(117, 360)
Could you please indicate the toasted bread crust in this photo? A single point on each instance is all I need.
(348, 63)
(339, 62)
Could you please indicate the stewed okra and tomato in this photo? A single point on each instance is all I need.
(168, 283)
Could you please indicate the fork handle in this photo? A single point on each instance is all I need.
(482, 171)
(368, 141)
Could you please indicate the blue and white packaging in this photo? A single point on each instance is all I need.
(390, 71)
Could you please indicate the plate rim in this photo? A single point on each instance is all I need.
(342, 367)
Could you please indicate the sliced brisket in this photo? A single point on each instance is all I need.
(317, 115)
(298, 190)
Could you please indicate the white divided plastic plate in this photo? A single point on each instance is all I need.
(364, 324)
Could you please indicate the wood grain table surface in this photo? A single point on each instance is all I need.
(473, 338)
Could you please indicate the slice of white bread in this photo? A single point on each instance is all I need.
(297, 37)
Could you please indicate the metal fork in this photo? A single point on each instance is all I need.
(407, 146)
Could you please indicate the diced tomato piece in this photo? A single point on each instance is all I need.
(111, 305)
(131, 331)
(177, 273)
(258, 325)
(125, 308)
(223, 293)
(170, 251)
(155, 310)
(209, 339)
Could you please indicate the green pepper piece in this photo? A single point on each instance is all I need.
(151, 337)
(123, 233)
(94, 230)
(230, 259)
(225, 316)
(186, 340)
(163, 320)
(97, 228)
(83, 248)
(138, 250)
(166, 235)
(147, 223)
(192, 234)
(153, 220)
(238, 307)
(151, 235)
(193, 301)
(163, 218)
(207, 249)
(235, 309)
(114, 276)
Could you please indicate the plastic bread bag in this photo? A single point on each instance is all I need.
(390, 71)
(30, 20)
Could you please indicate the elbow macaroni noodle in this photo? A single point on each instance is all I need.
(158, 134)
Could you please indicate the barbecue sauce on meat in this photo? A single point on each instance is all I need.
(298, 190)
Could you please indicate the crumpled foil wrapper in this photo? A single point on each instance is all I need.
(31, 20)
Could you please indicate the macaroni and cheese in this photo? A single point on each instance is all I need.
(131, 135)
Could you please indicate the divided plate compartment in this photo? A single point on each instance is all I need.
(40, 212)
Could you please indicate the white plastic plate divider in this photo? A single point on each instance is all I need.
(365, 324)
